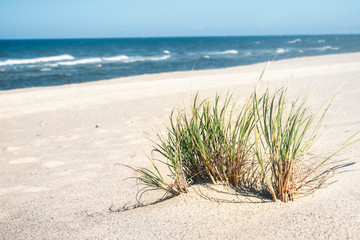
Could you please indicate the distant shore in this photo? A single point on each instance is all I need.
(61, 148)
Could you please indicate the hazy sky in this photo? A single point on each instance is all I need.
(148, 18)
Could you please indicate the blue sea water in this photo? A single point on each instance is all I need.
(31, 63)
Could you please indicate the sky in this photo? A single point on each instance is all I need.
(31, 19)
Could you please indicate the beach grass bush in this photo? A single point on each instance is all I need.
(262, 145)
(207, 143)
(282, 138)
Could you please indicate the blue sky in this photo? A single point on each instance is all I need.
(151, 18)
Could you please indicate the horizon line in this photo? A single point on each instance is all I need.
(205, 36)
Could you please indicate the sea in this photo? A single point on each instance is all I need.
(34, 63)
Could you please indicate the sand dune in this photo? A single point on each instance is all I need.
(60, 148)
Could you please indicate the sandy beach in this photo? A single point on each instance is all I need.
(61, 148)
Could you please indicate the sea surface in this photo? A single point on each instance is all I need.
(32, 63)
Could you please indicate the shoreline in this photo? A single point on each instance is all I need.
(184, 73)
(61, 148)
(182, 82)
(170, 72)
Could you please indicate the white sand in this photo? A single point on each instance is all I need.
(59, 173)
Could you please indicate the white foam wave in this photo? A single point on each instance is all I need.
(120, 58)
(321, 41)
(229, 52)
(224, 52)
(294, 41)
(281, 50)
(206, 56)
(327, 48)
(166, 51)
(116, 58)
(135, 59)
(36, 60)
(126, 59)
(45, 69)
(76, 62)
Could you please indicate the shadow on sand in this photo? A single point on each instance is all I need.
(250, 194)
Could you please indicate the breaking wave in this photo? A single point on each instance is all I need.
(281, 50)
(36, 60)
(223, 52)
(120, 58)
(76, 62)
(326, 48)
(294, 41)
(126, 59)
